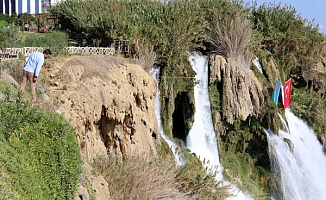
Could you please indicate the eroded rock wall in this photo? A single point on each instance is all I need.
(241, 92)
(109, 102)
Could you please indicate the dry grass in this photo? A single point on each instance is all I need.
(80, 67)
(140, 177)
(7, 189)
(145, 55)
(6, 77)
(93, 66)
(10, 76)
(231, 39)
(194, 179)
(152, 177)
(13, 67)
(323, 57)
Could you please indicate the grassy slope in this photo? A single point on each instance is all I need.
(40, 158)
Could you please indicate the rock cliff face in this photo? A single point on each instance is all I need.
(110, 102)
(241, 92)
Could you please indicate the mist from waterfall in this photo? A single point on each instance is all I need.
(298, 161)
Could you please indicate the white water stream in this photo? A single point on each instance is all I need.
(298, 161)
(155, 72)
(297, 157)
(201, 139)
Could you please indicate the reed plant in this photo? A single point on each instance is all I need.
(231, 38)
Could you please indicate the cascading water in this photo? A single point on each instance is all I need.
(297, 158)
(201, 139)
(298, 161)
(155, 72)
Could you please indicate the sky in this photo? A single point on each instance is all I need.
(308, 9)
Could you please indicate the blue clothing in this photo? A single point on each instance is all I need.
(34, 63)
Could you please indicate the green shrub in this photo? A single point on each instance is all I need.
(9, 36)
(240, 170)
(40, 158)
(243, 151)
(310, 106)
(229, 32)
(294, 41)
(56, 41)
(194, 178)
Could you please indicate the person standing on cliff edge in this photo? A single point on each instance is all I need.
(32, 67)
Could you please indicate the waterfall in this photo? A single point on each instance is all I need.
(298, 161)
(297, 157)
(257, 64)
(201, 139)
(178, 155)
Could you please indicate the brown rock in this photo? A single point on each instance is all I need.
(241, 93)
(110, 103)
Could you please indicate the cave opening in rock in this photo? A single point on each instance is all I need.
(182, 115)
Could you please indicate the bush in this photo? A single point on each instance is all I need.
(157, 177)
(40, 158)
(229, 33)
(194, 178)
(294, 41)
(139, 177)
(56, 41)
(310, 106)
(9, 37)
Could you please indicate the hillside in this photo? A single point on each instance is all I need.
(109, 100)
